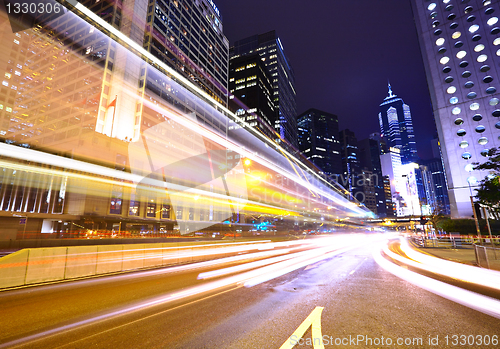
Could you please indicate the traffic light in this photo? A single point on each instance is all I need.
(423, 220)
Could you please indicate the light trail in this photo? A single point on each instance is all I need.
(484, 304)
(325, 248)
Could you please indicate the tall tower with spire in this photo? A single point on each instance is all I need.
(397, 127)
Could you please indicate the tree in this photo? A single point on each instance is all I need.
(488, 193)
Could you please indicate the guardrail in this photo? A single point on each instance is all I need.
(39, 265)
(486, 256)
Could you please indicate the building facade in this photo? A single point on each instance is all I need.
(396, 126)
(369, 154)
(251, 93)
(71, 91)
(351, 177)
(270, 49)
(459, 43)
(318, 137)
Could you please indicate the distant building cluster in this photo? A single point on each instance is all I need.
(383, 171)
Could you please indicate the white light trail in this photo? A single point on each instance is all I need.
(484, 304)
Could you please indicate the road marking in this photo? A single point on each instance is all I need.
(314, 321)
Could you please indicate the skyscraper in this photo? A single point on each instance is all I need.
(459, 42)
(318, 135)
(369, 154)
(350, 162)
(270, 49)
(251, 90)
(397, 128)
(188, 36)
(98, 96)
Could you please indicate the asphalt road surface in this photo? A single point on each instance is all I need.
(364, 306)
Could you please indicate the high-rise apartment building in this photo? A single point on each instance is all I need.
(251, 90)
(459, 43)
(396, 126)
(318, 136)
(270, 49)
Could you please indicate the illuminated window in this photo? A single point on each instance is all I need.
(456, 35)
(440, 41)
(469, 167)
(494, 101)
(492, 21)
(479, 48)
(133, 208)
(496, 42)
(482, 58)
(151, 209)
(451, 90)
(498, 52)
(453, 100)
(5, 83)
(466, 155)
(456, 111)
(463, 144)
(8, 109)
(474, 106)
(444, 60)
(461, 54)
(431, 6)
(471, 180)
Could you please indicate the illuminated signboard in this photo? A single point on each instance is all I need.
(214, 7)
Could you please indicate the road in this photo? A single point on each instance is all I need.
(360, 300)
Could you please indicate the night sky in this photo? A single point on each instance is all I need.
(343, 52)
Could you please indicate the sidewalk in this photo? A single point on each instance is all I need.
(465, 255)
